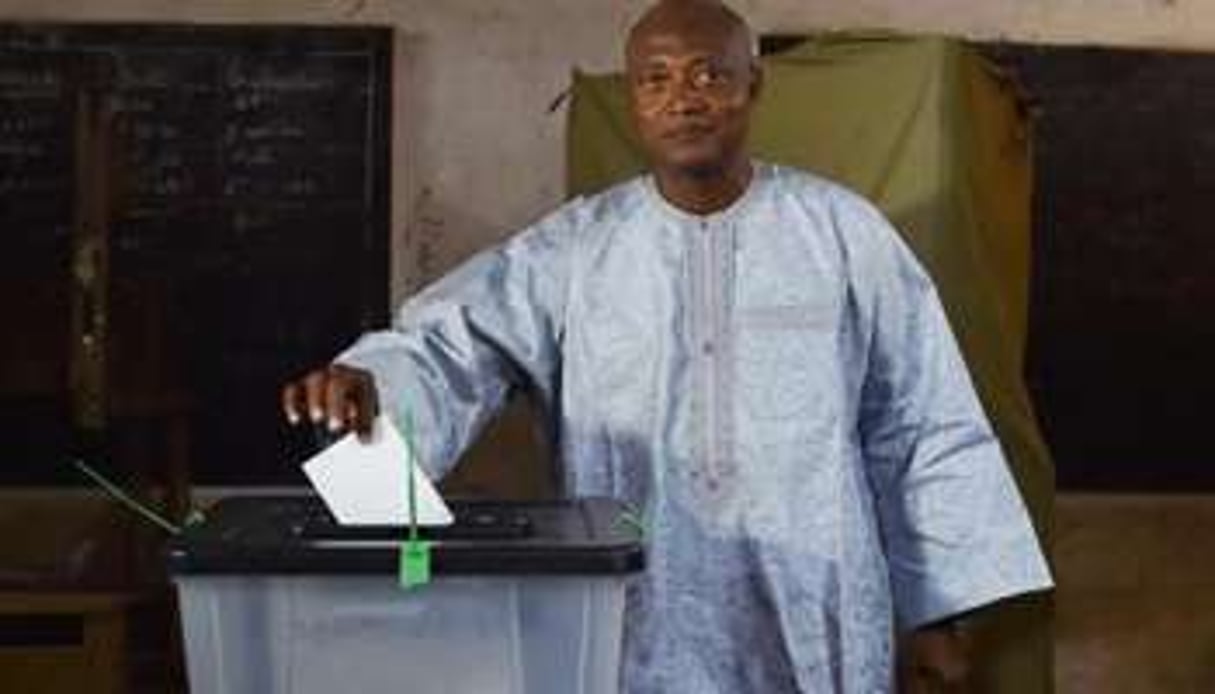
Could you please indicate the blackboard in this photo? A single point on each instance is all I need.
(248, 233)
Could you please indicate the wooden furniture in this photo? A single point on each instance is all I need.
(61, 643)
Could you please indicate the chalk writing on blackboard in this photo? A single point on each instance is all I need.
(247, 161)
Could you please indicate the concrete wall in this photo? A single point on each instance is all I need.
(477, 153)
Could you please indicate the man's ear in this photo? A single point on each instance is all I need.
(757, 80)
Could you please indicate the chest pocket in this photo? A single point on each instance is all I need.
(785, 361)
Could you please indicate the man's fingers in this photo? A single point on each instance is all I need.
(314, 391)
(364, 405)
(337, 397)
(935, 661)
(292, 397)
(337, 388)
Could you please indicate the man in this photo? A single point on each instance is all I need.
(749, 354)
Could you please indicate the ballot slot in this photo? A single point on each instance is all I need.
(306, 520)
(473, 521)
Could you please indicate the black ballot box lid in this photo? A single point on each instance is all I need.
(298, 535)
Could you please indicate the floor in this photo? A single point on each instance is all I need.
(1135, 608)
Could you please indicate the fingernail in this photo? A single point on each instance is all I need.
(293, 418)
(317, 415)
(335, 425)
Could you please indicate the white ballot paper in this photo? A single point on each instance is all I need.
(365, 483)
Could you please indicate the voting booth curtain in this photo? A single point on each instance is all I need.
(932, 133)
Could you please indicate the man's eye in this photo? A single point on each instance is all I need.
(653, 79)
(710, 77)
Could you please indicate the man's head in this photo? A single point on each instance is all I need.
(693, 79)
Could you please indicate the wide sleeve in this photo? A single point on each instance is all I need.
(458, 349)
(955, 528)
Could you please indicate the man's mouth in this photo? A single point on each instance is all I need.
(687, 133)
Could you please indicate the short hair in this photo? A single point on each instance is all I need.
(727, 13)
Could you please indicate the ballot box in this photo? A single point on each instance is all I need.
(525, 598)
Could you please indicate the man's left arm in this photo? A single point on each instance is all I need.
(955, 529)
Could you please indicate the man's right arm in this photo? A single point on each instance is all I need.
(456, 351)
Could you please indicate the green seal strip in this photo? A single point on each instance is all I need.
(130, 502)
(631, 519)
(414, 569)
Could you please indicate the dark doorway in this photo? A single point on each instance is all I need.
(1121, 341)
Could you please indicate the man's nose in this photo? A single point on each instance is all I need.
(686, 99)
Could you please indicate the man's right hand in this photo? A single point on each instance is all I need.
(341, 397)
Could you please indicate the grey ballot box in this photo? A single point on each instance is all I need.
(526, 598)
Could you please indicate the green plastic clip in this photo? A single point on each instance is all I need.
(414, 569)
(415, 564)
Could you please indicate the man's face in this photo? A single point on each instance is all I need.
(691, 96)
